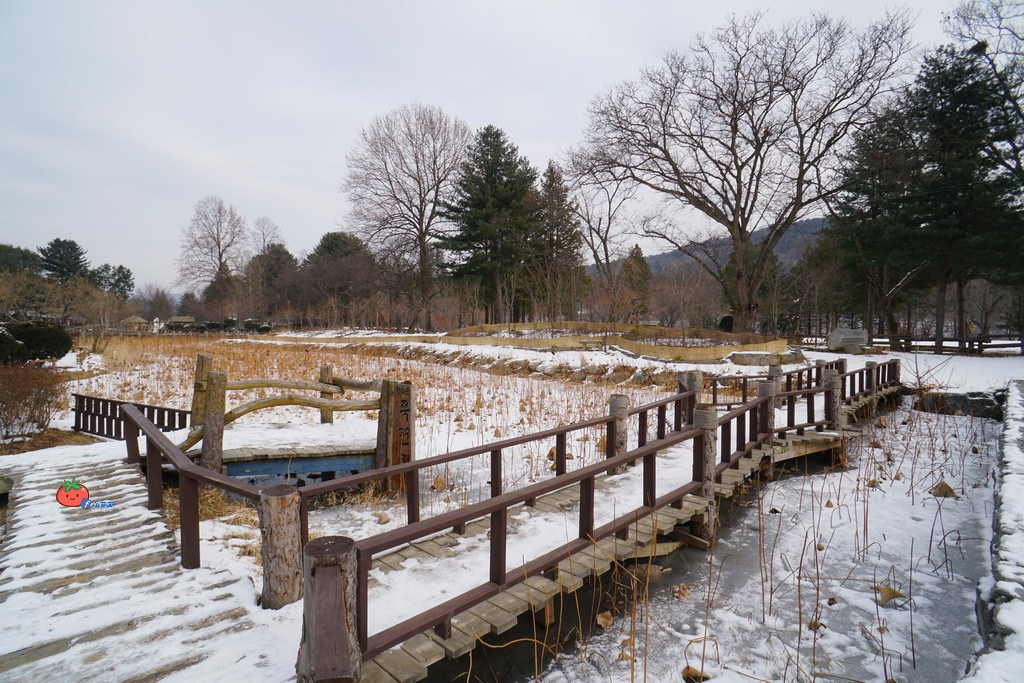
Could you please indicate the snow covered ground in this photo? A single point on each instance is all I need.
(877, 524)
(859, 573)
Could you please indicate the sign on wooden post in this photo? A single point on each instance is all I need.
(396, 424)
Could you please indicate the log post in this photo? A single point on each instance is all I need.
(705, 418)
(775, 375)
(396, 425)
(615, 442)
(695, 381)
(326, 416)
(819, 369)
(281, 549)
(767, 410)
(329, 649)
(870, 376)
(213, 421)
(833, 399)
(204, 363)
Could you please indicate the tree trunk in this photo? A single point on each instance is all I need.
(426, 286)
(940, 314)
(889, 314)
(871, 314)
(961, 318)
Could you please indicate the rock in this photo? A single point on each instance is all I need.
(846, 340)
(973, 403)
(760, 358)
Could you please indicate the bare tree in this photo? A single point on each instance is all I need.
(401, 169)
(994, 30)
(747, 129)
(601, 200)
(212, 244)
(264, 233)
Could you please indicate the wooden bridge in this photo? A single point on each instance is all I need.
(793, 414)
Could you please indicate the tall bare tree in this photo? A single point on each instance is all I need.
(602, 204)
(747, 128)
(400, 170)
(212, 244)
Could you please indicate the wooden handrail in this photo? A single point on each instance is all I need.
(181, 462)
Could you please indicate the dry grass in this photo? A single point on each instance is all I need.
(213, 504)
(48, 438)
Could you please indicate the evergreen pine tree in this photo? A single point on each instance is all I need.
(636, 281)
(494, 211)
(969, 219)
(64, 259)
(555, 262)
(876, 221)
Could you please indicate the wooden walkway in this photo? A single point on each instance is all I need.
(655, 535)
(99, 593)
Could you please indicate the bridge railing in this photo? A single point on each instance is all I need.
(102, 416)
(409, 474)
(857, 384)
(730, 390)
(190, 475)
(737, 434)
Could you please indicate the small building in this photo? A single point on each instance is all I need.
(181, 322)
(134, 324)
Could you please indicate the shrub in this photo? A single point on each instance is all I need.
(41, 340)
(29, 397)
(11, 350)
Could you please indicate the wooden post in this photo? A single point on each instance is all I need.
(695, 381)
(767, 416)
(154, 476)
(870, 376)
(326, 416)
(705, 418)
(329, 649)
(188, 506)
(833, 399)
(213, 421)
(204, 363)
(396, 424)
(281, 550)
(775, 375)
(819, 368)
(615, 443)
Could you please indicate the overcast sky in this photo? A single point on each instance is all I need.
(116, 117)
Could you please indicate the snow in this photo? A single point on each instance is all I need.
(949, 537)
(352, 332)
(1004, 661)
(80, 360)
(822, 542)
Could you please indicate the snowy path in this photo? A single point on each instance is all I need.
(99, 591)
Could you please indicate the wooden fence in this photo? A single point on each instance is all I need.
(102, 416)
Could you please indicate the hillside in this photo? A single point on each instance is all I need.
(790, 248)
